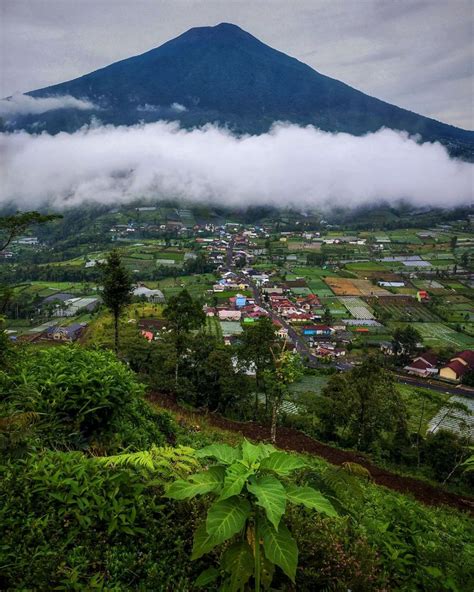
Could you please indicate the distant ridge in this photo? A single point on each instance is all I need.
(223, 74)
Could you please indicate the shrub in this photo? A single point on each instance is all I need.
(333, 556)
(69, 522)
(85, 397)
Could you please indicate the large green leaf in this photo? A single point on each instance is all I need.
(197, 484)
(206, 577)
(234, 480)
(227, 517)
(311, 498)
(203, 542)
(252, 453)
(271, 496)
(282, 463)
(266, 449)
(239, 563)
(222, 452)
(280, 547)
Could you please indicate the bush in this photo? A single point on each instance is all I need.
(69, 522)
(84, 398)
(333, 556)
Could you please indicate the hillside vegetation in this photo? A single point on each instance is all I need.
(101, 492)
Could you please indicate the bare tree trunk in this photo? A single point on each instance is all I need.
(116, 332)
(273, 426)
(418, 432)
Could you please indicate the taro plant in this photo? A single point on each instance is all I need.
(251, 491)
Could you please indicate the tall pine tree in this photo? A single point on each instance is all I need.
(117, 290)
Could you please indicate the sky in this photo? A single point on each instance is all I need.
(417, 54)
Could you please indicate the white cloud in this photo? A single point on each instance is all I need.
(175, 107)
(25, 105)
(178, 107)
(290, 165)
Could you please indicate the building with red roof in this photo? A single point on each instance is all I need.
(458, 366)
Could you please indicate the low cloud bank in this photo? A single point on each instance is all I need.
(289, 166)
(26, 105)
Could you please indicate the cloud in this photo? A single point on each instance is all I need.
(26, 105)
(174, 107)
(291, 165)
(178, 108)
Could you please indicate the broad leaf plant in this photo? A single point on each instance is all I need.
(251, 491)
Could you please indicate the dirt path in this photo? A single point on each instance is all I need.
(294, 440)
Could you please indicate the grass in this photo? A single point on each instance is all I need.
(213, 327)
(439, 335)
(421, 404)
(366, 266)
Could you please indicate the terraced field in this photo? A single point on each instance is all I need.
(405, 309)
(357, 308)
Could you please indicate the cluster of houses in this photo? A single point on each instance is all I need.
(427, 365)
(299, 313)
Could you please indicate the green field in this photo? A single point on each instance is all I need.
(422, 405)
(213, 327)
(439, 335)
(366, 266)
(197, 285)
(313, 384)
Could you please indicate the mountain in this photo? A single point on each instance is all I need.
(223, 74)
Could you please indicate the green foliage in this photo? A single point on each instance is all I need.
(13, 226)
(117, 289)
(183, 313)
(83, 398)
(363, 404)
(73, 523)
(166, 461)
(250, 500)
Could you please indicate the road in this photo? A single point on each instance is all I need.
(434, 385)
(298, 340)
(312, 361)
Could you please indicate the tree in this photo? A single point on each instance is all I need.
(445, 452)
(315, 259)
(13, 226)
(468, 378)
(258, 342)
(250, 500)
(405, 341)
(327, 316)
(184, 315)
(288, 369)
(117, 290)
(363, 403)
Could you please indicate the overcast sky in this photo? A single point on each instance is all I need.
(417, 54)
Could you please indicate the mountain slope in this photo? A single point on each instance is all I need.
(226, 75)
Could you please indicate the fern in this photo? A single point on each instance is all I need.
(345, 480)
(166, 462)
(357, 470)
(18, 421)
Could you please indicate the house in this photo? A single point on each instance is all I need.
(422, 296)
(458, 366)
(240, 300)
(230, 315)
(143, 292)
(73, 306)
(57, 298)
(317, 330)
(66, 334)
(383, 284)
(423, 365)
(272, 290)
